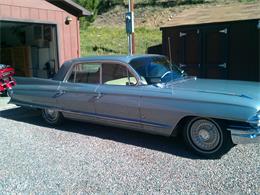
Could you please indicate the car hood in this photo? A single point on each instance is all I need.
(244, 89)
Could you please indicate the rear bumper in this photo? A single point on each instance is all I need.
(245, 136)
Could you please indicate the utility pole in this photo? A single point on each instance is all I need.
(133, 33)
(130, 27)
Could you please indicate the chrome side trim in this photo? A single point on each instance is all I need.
(31, 105)
(118, 119)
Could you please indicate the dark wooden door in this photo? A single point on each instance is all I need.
(215, 56)
(190, 51)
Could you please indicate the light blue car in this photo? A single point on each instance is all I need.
(147, 93)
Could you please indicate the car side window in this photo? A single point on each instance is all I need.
(85, 73)
(116, 74)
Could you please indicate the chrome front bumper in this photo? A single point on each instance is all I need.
(245, 136)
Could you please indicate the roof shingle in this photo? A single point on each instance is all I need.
(204, 15)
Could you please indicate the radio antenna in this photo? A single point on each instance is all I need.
(169, 48)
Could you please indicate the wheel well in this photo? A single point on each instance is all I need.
(180, 125)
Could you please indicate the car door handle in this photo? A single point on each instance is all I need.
(99, 96)
(59, 93)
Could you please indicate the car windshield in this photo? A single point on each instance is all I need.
(156, 69)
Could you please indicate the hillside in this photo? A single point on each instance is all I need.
(107, 34)
(155, 15)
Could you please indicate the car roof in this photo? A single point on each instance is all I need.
(122, 58)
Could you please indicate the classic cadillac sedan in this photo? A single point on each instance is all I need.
(149, 94)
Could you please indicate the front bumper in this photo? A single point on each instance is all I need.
(245, 136)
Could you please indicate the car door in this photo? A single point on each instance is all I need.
(118, 97)
(76, 95)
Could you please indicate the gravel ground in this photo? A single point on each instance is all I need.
(84, 158)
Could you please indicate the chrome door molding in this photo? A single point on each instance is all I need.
(116, 119)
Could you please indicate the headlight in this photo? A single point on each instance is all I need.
(255, 120)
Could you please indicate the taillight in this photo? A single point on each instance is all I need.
(2, 89)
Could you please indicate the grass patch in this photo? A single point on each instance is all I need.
(110, 41)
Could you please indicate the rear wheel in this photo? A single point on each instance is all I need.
(207, 137)
(52, 117)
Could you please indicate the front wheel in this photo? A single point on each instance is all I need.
(52, 117)
(207, 137)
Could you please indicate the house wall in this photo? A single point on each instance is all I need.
(41, 11)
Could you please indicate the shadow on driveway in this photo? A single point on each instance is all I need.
(174, 146)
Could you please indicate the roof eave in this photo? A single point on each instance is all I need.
(207, 23)
(71, 7)
(215, 14)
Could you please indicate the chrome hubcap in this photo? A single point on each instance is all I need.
(205, 134)
(51, 114)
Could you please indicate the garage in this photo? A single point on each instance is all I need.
(30, 47)
(216, 42)
(36, 37)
